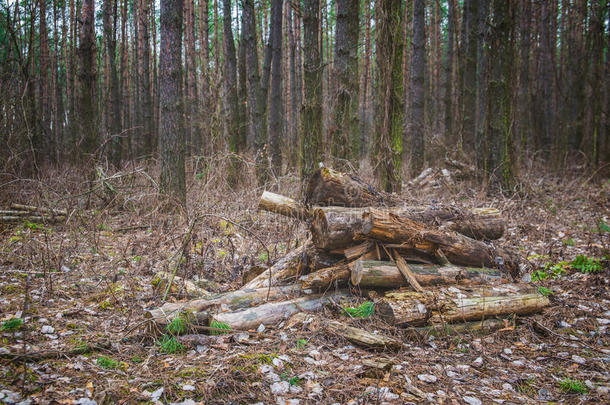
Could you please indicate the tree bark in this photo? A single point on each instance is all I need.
(361, 337)
(115, 115)
(450, 306)
(275, 109)
(380, 274)
(171, 135)
(300, 261)
(458, 248)
(336, 227)
(469, 105)
(389, 94)
(417, 108)
(88, 77)
(311, 110)
(274, 312)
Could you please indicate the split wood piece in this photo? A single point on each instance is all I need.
(377, 274)
(31, 208)
(406, 272)
(302, 260)
(329, 187)
(339, 227)
(454, 305)
(282, 205)
(232, 300)
(274, 312)
(458, 248)
(360, 336)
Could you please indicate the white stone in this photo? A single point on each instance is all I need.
(478, 361)
(156, 394)
(185, 402)
(429, 378)
(85, 401)
(277, 363)
(507, 387)
(508, 351)
(281, 387)
(47, 329)
(578, 359)
(188, 387)
(472, 400)
(261, 328)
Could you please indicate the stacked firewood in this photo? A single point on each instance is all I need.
(423, 266)
(19, 213)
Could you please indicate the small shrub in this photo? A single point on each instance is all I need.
(545, 291)
(107, 362)
(11, 325)
(178, 326)
(364, 310)
(573, 386)
(586, 264)
(603, 227)
(539, 275)
(569, 242)
(170, 345)
(301, 343)
(219, 325)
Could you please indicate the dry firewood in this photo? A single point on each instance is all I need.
(338, 227)
(274, 312)
(360, 336)
(406, 272)
(329, 187)
(459, 249)
(302, 260)
(475, 328)
(286, 206)
(458, 305)
(31, 208)
(377, 274)
(232, 300)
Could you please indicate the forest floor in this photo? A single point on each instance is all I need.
(83, 286)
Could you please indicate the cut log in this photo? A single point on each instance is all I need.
(408, 275)
(286, 206)
(360, 336)
(302, 260)
(329, 187)
(274, 312)
(458, 305)
(180, 287)
(339, 227)
(475, 328)
(31, 208)
(376, 274)
(232, 300)
(458, 248)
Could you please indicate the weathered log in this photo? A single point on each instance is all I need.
(360, 336)
(377, 274)
(475, 328)
(329, 187)
(458, 248)
(458, 305)
(406, 272)
(31, 208)
(339, 227)
(232, 301)
(274, 312)
(180, 287)
(282, 205)
(302, 260)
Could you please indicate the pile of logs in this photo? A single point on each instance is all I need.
(19, 213)
(423, 266)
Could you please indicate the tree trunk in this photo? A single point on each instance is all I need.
(469, 105)
(274, 312)
(145, 92)
(171, 136)
(115, 114)
(311, 111)
(379, 274)
(449, 306)
(389, 98)
(360, 336)
(417, 108)
(458, 248)
(88, 76)
(449, 72)
(232, 300)
(329, 187)
(256, 102)
(546, 73)
(336, 228)
(283, 205)
(365, 84)
(275, 110)
(300, 261)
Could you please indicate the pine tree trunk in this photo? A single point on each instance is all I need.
(311, 111)
(449, 73)
(275, 109)
(418, 69)
(88, 76)
(115, 104)
(171, 134)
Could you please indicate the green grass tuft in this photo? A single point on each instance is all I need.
(11, 324)
(178, 326)
(545, 291)
(586, 264)
(170, 345)
(364, 310)
(107, 362)
(573, 386)
(219, 325)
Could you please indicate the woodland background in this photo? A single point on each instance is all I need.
(287, 84)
